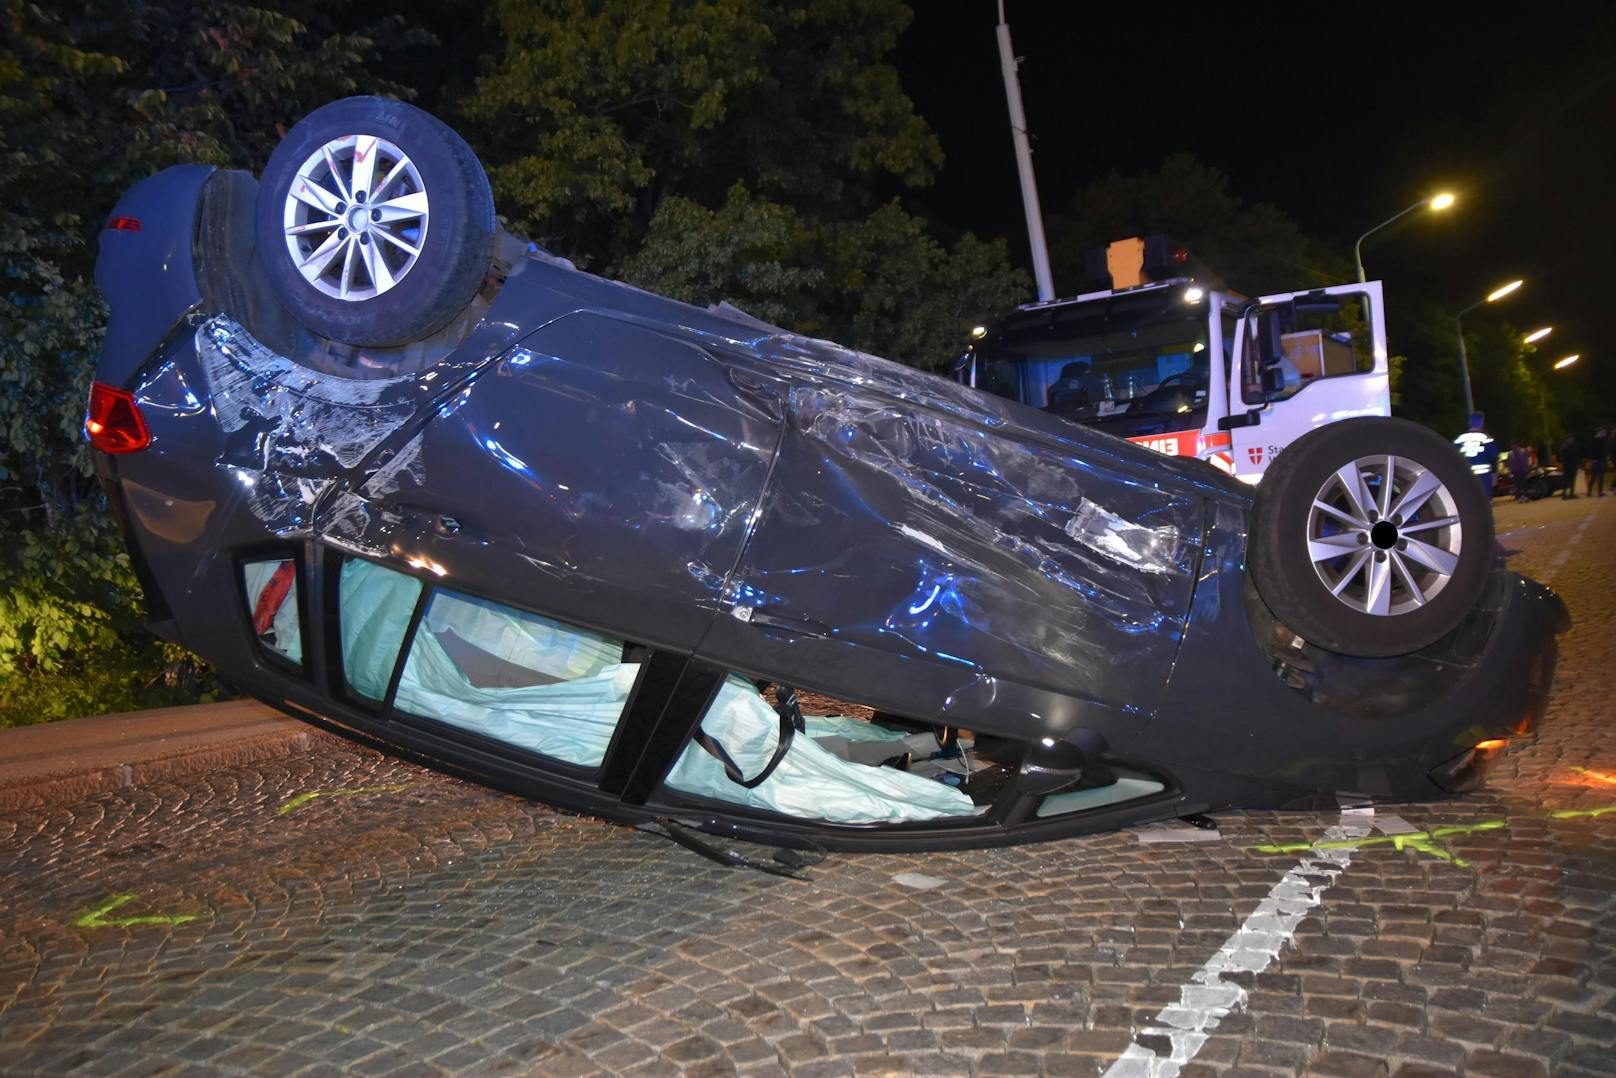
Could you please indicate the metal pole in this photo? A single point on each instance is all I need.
(1029, 185)
(1464, 364)
(1357, 248)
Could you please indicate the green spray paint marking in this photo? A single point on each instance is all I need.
(1571, 814)
(97, 918)
(1423, 841)
(292, 804)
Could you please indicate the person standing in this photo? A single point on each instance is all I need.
(1570, 463)
(1595, 455)
(1479, 451)
(1520, 470)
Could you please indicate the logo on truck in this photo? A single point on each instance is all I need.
(1255, 453)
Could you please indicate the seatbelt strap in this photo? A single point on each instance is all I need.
(276, 589)
(789, 711)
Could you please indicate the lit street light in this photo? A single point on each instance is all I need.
(1567, 361)
(1458, 324)
(1438, 202)
(1537, 335)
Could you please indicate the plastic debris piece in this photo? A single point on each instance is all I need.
(918, 881)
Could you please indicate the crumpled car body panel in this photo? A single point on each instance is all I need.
(727, 504)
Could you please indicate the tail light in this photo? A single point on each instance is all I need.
(114, 423)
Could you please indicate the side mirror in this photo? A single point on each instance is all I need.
(965, 369)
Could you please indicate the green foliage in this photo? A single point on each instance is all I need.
(91, 99)
(881, 283)
(71, 640)
(591, 113)
(1254, 249)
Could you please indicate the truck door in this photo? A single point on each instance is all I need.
(1301, 360)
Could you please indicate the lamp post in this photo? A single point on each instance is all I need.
(1537, 335)
(1029, 185)
(1458, 324)
(1435, 202)
(1567, 361)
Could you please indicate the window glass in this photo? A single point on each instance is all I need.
(375, 613)
(516, 677)
(272, 605)
(1292, 344)
(819, 776)
(1124, 359)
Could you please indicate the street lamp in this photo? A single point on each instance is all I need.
(1438, 202)
(1567, 361)
(1458, 324)
(1537, 335)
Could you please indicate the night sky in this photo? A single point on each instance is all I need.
(1340, 115)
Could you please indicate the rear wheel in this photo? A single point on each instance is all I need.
(1371, 537)
(375, 222)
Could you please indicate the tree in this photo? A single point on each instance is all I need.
(90, 100)
(882, 283)
(591, 113)
(734, 149)
(1253, 249)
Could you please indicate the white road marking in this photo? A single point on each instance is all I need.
(1208, 998)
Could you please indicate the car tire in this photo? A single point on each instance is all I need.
(375, 222)
(1414, 561)
(1537, 489)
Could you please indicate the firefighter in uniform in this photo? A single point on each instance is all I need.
(1480, 451)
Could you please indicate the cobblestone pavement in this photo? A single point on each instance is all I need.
(403, 922)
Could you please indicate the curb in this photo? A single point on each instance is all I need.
(64, 761)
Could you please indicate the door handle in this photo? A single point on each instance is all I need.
(774, 623)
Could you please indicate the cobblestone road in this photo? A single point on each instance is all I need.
(413, 924)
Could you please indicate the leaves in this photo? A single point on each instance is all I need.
(92, 99)
(881, 283)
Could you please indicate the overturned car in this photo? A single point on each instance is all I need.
(397, 473)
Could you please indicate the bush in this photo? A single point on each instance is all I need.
(72, 640)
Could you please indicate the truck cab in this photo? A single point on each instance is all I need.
(1185, 367)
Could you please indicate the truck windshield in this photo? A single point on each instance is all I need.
(1121, 356)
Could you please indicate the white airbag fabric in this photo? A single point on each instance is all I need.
(573, 720)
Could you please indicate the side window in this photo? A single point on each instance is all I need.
(516, 677)
(374, 615)
(846, 770)
(272, 604)
(1001, 377)
(1292, 344)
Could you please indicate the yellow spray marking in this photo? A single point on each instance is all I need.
(1572, 814)
(1423, 841)
(97, 918)
(292, 804)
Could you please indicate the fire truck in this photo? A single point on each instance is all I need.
(1165, 357)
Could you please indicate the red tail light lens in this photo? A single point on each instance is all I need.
(114, 422)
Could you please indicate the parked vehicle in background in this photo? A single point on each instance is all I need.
(1540, 481)
(1178, 365)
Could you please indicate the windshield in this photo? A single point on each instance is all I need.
(1121, 356)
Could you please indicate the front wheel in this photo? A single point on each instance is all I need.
(1371, 537)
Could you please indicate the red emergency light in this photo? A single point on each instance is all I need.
(124, 224)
